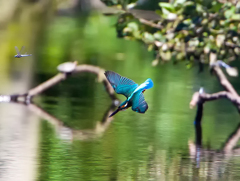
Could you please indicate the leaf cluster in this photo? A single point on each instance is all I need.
(186, 30)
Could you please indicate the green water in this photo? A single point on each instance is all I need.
(70, 136)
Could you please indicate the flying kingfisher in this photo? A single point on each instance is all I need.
(130, 90)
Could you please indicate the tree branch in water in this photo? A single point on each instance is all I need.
(27, 97)
(230, 93)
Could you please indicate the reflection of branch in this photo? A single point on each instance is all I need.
(196, 149)
(197, 152)
(69, 133)
(62, 76)
(198, 99)
(198, 128)
(232, 141)
(228, 147)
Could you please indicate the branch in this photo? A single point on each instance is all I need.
(149, 23)
(27, 97)
(230, 93)
(224, 81)
(201, 98)
(45, 85)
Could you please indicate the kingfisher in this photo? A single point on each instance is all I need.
(132, 91)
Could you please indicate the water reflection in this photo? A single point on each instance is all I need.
(214, 162)
(67, 133)
(18, 142)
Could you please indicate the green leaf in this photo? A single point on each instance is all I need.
(205, 34)
(189, 3)
(189, 65)
(133, 26)
(167, 6)
(177, 2)
(199, 8)
(216, 6)
(228, 13)
(187, 21)
(148, 37)
(159, 36)
(150, 47)
(155, 62)
(159, 12)
(235, 17)
(166, 56)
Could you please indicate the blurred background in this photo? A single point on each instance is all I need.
(68, 136)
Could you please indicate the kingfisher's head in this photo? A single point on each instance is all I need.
(124, 105)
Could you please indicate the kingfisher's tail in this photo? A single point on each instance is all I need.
(148, 83)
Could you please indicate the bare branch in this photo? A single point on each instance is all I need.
(224, 81)
(62, 76)
(47, 84)
(149, 23)
(201, 98)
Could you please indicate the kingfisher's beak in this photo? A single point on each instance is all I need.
(115, 112)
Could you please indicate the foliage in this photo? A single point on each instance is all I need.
(187, 30)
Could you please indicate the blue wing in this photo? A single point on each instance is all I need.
(121, 85)
(138, 103)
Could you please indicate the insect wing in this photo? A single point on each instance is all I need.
(17, 50)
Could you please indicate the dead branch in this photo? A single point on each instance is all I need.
(27, 97)
(201, 98)
(47, 84)
(230, 93)
(149, 23)
(224, 81)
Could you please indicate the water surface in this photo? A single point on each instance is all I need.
(68, 136)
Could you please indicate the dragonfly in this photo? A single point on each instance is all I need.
(19, 55)
(132, 91)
